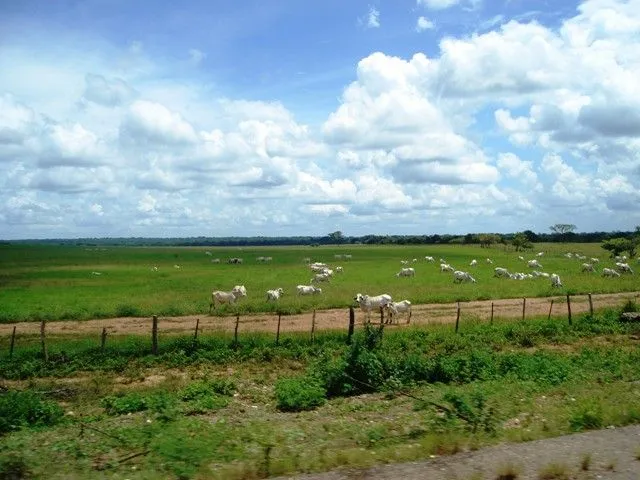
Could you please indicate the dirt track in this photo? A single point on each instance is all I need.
(325, 319)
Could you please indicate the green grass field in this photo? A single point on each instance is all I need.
(56, 283)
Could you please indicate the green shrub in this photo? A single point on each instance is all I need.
(27, 409)
(13, 467)
(204, 388)
(160, 402)
(587, 418)
(299, 393)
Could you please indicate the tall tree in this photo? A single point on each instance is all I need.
(564, 230)
(520, 241)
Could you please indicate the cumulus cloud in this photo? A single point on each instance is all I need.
(107, 92)
(503, 127)
(423, 24)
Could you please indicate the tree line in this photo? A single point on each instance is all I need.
(615, 242)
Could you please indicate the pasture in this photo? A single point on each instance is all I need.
(79, 283)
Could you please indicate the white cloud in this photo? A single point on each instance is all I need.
(437, 4)
(423, 24)
(373, 18)
(417, 143)
(196, 56)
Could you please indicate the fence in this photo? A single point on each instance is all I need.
(421, 314)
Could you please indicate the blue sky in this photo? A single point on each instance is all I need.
(122, 118)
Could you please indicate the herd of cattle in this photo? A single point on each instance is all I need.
(384, 303)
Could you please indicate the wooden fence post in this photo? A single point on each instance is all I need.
(491, 321)
(313, 326)
(195, 334)
(458, 317)
(278, 331)
(13, 342)
(43, 341)
(550, 307)
(352, 321)
(590, 305)
(381, 314)
(235, 333)
(154, 335)
(524, 307)
(103, 338)
(569, 307)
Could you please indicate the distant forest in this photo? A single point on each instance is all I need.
(337, 238)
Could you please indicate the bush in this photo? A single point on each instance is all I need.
(19, 409)
(204, 388)
(587, 418)
(161, 403)
(299, 393)
(13, 468)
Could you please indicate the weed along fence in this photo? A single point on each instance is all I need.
(235, 327)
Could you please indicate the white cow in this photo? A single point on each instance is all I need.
(555, 280)
(339, 270)
(594, 260)
(429, 258)
(534, 264)
(320, 277)
(539, 254)
(473, 263)
(406, 272)
(308, 290)
(520, 257)
(445, 267)
(500, 272)
(227, 297)
(368, 303)
(624, 267)
(587, 267)
(489, 261)
(274, 294)
(399, 307)
(609, 272)
(404, 262)
(460, 276)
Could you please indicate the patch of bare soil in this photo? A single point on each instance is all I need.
(603, 454)
(334, 319)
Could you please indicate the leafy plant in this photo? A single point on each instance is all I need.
(299, 393)
(13, 467)
(26, 409)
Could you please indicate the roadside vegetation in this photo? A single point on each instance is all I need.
(213, 408)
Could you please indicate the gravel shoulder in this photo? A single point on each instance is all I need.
(325, 319)
(612, 455)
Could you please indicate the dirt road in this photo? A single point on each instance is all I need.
(325, 319)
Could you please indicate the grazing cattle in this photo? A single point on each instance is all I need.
(235, 260)
(624, 267)
(500, 272)
(208, 253)
(473, 263)
(429, 259)
(177, 267)
(274, 294)
(555, 280)
(406, 272)
(587, 267)
(489, 261)
(227, 297)
(215, 260)
(308, 290)
(368, 303)
(96, 273)
(399, 307)
(339, 270)
(534, 264)
(539, 254)
(320, 277)
(594, 260)
(338, 257)
(154, 269)
(404, 262)
(306, 260)
(609, 272)
(520, 257)
(348, 256)
(445, 267)
(460, 276)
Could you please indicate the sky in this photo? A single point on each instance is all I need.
(286, 117)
